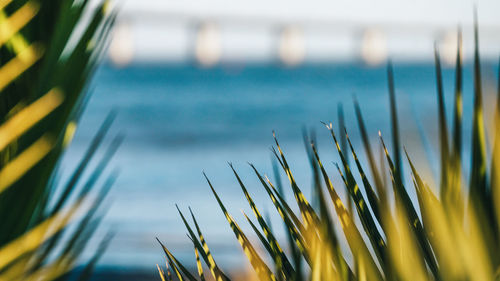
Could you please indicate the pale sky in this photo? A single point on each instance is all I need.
(444, 12)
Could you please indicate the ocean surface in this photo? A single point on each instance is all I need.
(180, 120)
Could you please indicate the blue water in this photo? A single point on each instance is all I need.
(180, 120)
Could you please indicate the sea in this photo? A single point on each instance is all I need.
(180, 120)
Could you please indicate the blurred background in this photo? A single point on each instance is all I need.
(199, 83)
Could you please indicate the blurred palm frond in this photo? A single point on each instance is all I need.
(48, 52)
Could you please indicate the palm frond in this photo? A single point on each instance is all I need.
(390, 236)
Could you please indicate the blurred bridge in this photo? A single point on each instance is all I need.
(297, 31)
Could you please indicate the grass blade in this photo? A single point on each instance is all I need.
(262, 270)
(203, 248)
(372, 196)
(351, 232)
(198, 265)
(443, 128)
(416, 225)
(364, 214)
(276, 251)
(175, 262)
(369, 155)
(480, 194)
(394, 124)
(297, 244)
(307, 212)
(343, 142)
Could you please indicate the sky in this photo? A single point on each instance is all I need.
(320, 29)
